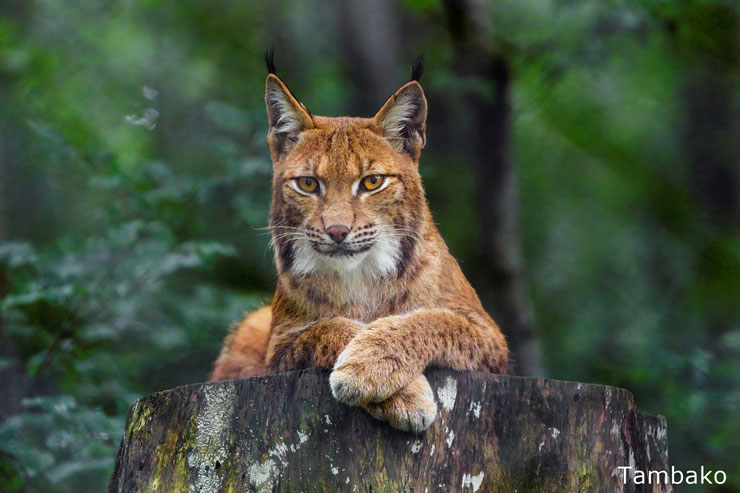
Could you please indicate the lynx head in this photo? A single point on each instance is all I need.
(347, 196)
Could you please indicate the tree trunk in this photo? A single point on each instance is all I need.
(369, 33)
(712, 113)
(285, 432)
(498, 276)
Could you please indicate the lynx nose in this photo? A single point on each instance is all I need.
(337, 233)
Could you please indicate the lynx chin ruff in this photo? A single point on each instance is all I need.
(366, 285)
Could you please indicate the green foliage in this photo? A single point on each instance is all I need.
(99, 322)
(59, 445)
(134, 178)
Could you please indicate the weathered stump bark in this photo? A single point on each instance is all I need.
(285, 432)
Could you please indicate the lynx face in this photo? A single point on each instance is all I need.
(347, 194)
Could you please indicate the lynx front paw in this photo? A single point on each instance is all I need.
(370, 370)
(410, 409)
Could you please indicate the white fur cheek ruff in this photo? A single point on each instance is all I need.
(383, 257)
(356, 271)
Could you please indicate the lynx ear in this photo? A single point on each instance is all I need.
(402, 119)
(288, 118)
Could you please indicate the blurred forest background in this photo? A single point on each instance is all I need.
(582, 164)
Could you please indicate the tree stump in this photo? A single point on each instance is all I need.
(285, 432)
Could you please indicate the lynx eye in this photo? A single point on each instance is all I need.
(308, 184)
(372, 182)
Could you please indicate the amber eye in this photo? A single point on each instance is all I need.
(372, 182)
(308, 184)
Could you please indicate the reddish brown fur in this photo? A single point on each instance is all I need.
(378, 333)
(243, 354)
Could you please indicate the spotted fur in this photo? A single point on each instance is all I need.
(386, 302)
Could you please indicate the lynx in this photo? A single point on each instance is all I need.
(366, 285)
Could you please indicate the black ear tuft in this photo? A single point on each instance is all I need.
(270, 61)
(417, 69)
